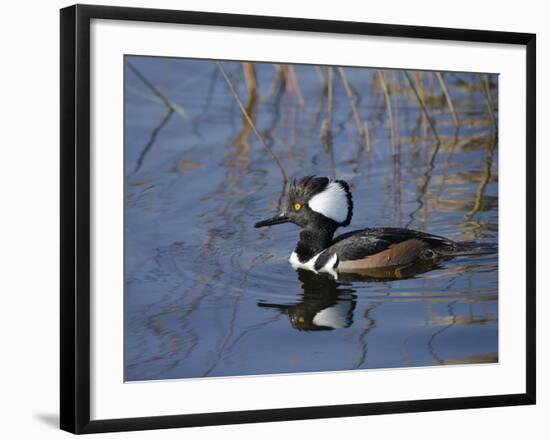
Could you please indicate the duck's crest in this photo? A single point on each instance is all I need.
(334, 201)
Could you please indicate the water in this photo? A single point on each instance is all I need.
(208, 295)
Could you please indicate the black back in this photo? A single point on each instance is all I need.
(359, 244)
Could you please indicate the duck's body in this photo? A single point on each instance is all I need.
(369, 249)
(320, 205)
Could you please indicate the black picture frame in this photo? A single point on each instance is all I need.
(75, 217)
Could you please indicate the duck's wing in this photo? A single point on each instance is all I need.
(362, 243)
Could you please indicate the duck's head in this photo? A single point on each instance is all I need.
(315, 202)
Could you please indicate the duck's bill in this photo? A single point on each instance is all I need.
(279, 219)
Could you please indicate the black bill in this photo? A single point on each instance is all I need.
(279, 219)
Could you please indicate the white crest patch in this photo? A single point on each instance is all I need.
(332, 202)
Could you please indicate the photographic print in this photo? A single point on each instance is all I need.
(287, 218)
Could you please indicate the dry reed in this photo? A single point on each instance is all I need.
(441, 80)
(251, 123)
(422, 105)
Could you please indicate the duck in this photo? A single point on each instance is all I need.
(319, 206)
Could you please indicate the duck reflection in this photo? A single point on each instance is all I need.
(325, 304)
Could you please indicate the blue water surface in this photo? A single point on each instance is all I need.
(208, 295)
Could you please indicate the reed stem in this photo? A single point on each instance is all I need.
(422, 105)
(388, 106)
(357, 119)
(251, 123)
(445, 90)
(487, 91)
(151, 87)
(330, 97)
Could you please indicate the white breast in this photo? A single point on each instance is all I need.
(329, 267)
(310, 264)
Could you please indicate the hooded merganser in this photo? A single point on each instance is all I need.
(319, 205)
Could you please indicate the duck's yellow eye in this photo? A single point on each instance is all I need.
(297, 206)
